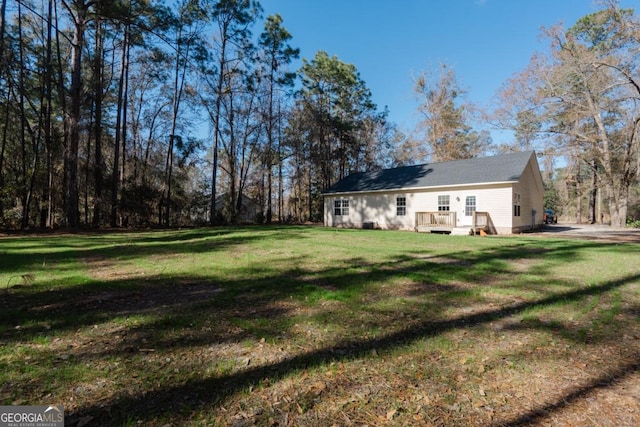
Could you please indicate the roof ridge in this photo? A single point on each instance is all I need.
(465, 160)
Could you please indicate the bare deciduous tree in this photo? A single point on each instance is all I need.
(583, 100)
(445, 116)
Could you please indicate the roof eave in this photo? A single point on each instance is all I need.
(432, 187)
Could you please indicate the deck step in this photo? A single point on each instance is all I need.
(461, 231)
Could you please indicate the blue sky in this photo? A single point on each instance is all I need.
(485, 41)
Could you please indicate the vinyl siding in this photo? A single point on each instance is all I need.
(378, 208)
(532, 194)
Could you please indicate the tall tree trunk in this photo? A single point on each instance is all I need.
(168, 179)
(3, 14)
(48, 83)
(618, 204)
(116, 178)
(62, 99)
(269, 162)
(87, 167)
(269, 193)
(3, 146)
(32, 179)
(245, 157)
(72, 118)
(579, 195)
(593, 193)
(49, 217)
(23, 124)
(280, 177)
(310, 194)
(29, 165)
(172, 136)
(44, 115)
(178, 87)
(618, 197)
(216, 130)
(3, 9)
(98, 165)
(300, 161)
(125, 105)
(232, 157)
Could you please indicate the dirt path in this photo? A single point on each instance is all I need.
(591, 232)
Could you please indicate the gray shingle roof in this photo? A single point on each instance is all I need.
(502, 168)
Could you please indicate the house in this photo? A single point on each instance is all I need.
(498, 195)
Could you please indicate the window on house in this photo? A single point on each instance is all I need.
(470, 205)
(401, 206)
(341, 207)
(443, 203)
(516, 204)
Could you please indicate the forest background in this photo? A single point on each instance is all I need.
(102, 106)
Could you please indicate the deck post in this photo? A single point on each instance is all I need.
(474, 222)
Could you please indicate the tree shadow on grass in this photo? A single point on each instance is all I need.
(606, 380)
(203, 392)
(169, 297)
(177, 302)
(29, 254)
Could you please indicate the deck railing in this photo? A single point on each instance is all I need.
(443, 220)
(480, 219)
(435, 219)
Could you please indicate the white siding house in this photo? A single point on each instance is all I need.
(500, 195)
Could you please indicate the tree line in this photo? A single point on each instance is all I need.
(581, 101)
(103, 104)
(132, 113)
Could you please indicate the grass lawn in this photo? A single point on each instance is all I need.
(318, 327)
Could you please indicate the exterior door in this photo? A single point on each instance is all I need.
(469, 209)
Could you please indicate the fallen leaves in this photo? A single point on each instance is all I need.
(391, 413)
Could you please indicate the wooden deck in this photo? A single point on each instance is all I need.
(445, 222)
(435, 221)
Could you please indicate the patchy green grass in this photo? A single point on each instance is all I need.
(318, 326)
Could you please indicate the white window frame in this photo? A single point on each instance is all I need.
(401, 205)
(444, 203)
(341, 207)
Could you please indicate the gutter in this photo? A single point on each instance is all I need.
(409, 189)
